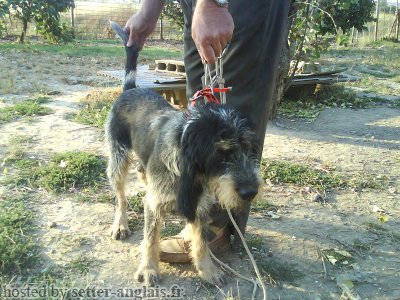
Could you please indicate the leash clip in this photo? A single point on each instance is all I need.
(213, 84)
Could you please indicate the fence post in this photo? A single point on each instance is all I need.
(161, 28)
(397, 20)
(377, 21)
(72, 18)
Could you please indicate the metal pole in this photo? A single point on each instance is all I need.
(377, 21)
(398, 20)
(72, 18)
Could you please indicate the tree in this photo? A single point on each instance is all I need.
(46, 14)
(172, 10)
(345, 13)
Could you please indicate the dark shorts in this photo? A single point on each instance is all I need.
(250, 64)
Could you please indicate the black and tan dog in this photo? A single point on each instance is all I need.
(190, 160)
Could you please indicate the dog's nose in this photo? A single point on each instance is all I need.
(247, 193)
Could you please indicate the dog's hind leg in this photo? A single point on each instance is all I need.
(201, 255)
(117, 171)
(148, 271)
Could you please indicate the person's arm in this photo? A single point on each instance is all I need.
(142, 24)
(212, 29)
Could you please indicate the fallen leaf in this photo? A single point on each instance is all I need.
(383, 218)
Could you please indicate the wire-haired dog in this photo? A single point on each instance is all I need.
(190, 160)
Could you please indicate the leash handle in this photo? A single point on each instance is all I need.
(209, 83)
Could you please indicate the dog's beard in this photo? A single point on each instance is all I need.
(225, 192)
(224, 189)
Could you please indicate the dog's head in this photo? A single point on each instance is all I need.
(218, 152)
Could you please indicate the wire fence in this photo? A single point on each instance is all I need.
(90, 20)
(386, 26)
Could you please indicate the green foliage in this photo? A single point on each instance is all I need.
(136, 202)
(96, 107)
(314, 20)
(17, 248)
(172, 10)
(346, 15)
(30, 107)
(45, 13)
(302, 175)
(288, 172)
(70, 170)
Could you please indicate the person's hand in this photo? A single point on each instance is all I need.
(212, 29)
(139, 27)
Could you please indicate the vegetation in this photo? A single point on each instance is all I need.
(70, 170)
(346, 14)
(283, 172)
(30, 107)
(45, 13)
(65, 171)
(96, 107)
(17, 247)
(78, 50)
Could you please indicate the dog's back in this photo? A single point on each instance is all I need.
(133, 118)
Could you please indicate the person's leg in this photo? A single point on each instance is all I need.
(250, 67)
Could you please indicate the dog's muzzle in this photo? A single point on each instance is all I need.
(247, 193)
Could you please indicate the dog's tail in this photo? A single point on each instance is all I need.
(132, 54)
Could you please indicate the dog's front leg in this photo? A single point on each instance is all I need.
(148, 271)
(201, 255)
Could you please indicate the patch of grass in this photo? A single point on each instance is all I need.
(79, 50)
(18, 251)
(135, 224)
(277, 270)
(379, 229)
(254, 241)
(299, 174)
(171, 230)
(81, 265)
(263, 206)
(30, 107)
(283, 172)
(70, 170)
(65, 171)
(361, 246)
(96, 106)
(326, 96)
(336, 258)
(136, 202)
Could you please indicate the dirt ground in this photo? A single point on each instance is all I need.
(355, 142)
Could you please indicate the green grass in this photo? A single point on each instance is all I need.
(378, 65)
(30, 107)
(288, 172)
(284, 172)
(80, 49)
(69, 170)
(81, 265)
(18, 251)
(276, 270)
(171, 230)
(381, 230)
(326, 96)
(263, 206)
(95, 107)
(136, 202)
(254, 241)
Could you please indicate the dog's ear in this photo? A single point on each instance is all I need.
(189, 189)
(191, 165)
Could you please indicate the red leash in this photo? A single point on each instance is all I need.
(208, 94)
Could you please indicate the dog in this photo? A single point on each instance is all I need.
(190, 160)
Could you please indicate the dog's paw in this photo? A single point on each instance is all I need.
(213, 275)
(148, 276)
(120, 231)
